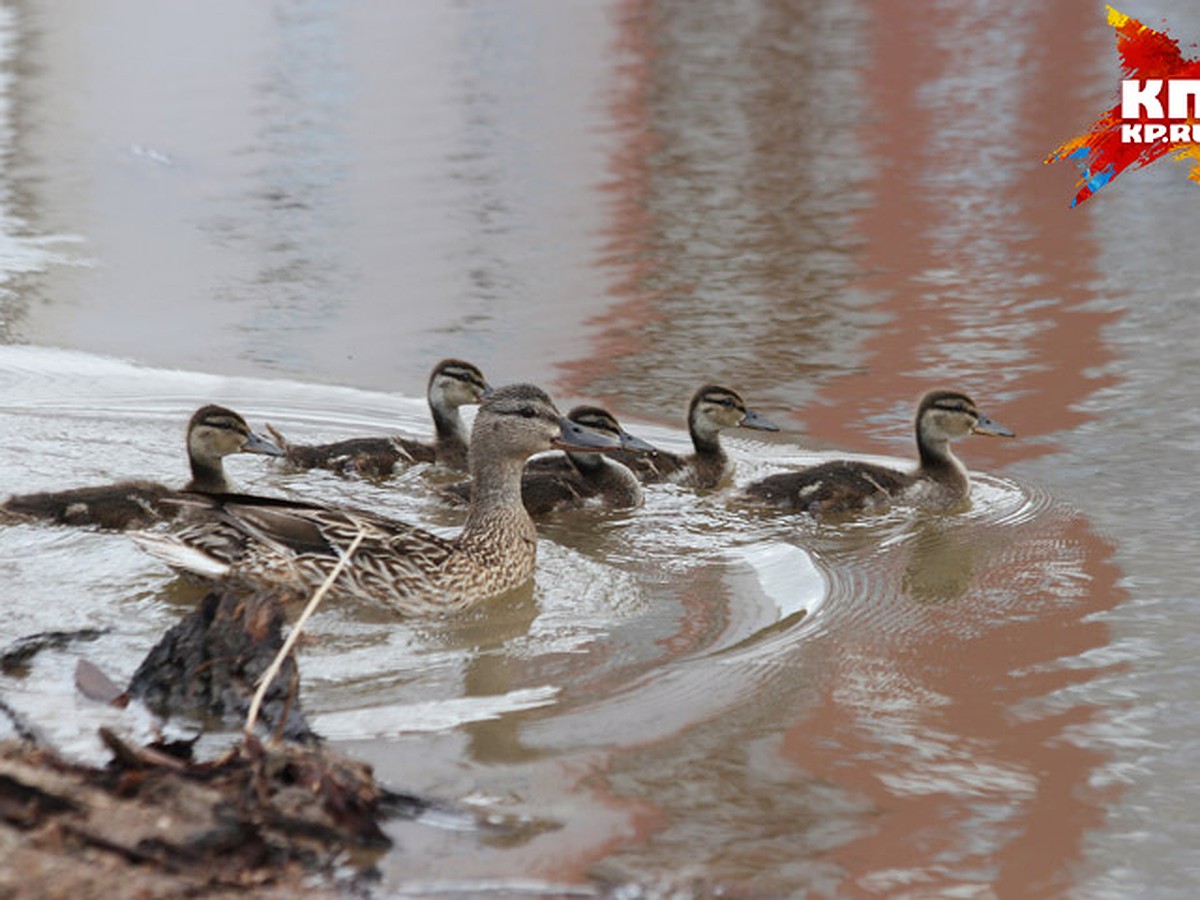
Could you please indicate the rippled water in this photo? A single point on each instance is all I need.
(643, 632)
(831, 207)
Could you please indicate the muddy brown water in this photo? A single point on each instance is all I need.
(297, 209)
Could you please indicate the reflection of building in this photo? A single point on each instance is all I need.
(815, 230)
(732, 198)
(838, 209)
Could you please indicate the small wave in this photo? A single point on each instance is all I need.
(433, 715)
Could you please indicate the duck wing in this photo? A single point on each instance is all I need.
(840, 486)
(268, 535)
(370, 457)
(650, 468)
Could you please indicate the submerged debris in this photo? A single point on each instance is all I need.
(210, 663)
(20, 726)
(15, 658)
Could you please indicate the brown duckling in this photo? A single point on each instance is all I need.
(939, 481)
(573, 479)
(261, 542)
(712, 408)
(452, 383)
(213, 433)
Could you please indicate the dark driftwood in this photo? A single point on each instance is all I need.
(153, 825)
(209, 664)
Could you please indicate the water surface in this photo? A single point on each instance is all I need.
(832, 207)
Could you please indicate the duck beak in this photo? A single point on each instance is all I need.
(987, 426)
(576, 437)
(636, 444)
(487, 391)
(754, 420)
(256, 443)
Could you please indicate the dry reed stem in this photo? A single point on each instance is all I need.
(313, 602)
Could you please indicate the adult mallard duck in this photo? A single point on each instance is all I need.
(573, 479)
(712, 409)
(452, 383)
(939, 481)
(213, 433)
(295, 546)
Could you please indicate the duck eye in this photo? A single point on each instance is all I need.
(527, 412)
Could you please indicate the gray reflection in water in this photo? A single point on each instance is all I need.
(286, 217)
(23, 252)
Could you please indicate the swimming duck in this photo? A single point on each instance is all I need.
(712, 408)
(213, 433)
(573, 479)
(939, 481)
(262, 542)
(452, 383)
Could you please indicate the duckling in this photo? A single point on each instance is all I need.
(939, 481)
(712, 408)
(452, 383)
(261, 542)
(572, 479)
(213, 433)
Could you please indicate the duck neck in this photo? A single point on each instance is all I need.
(939, 462)
(708, 444)
(497, 514)
(451, 435)
(587, 463)
(208, 476)
(619, 485)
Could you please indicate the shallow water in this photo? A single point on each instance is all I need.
(831, 207)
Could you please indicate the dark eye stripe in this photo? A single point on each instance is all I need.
(474, 379)
(722, 400)
(225, 423)
(951, 406)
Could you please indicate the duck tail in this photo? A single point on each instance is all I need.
(179, 555)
